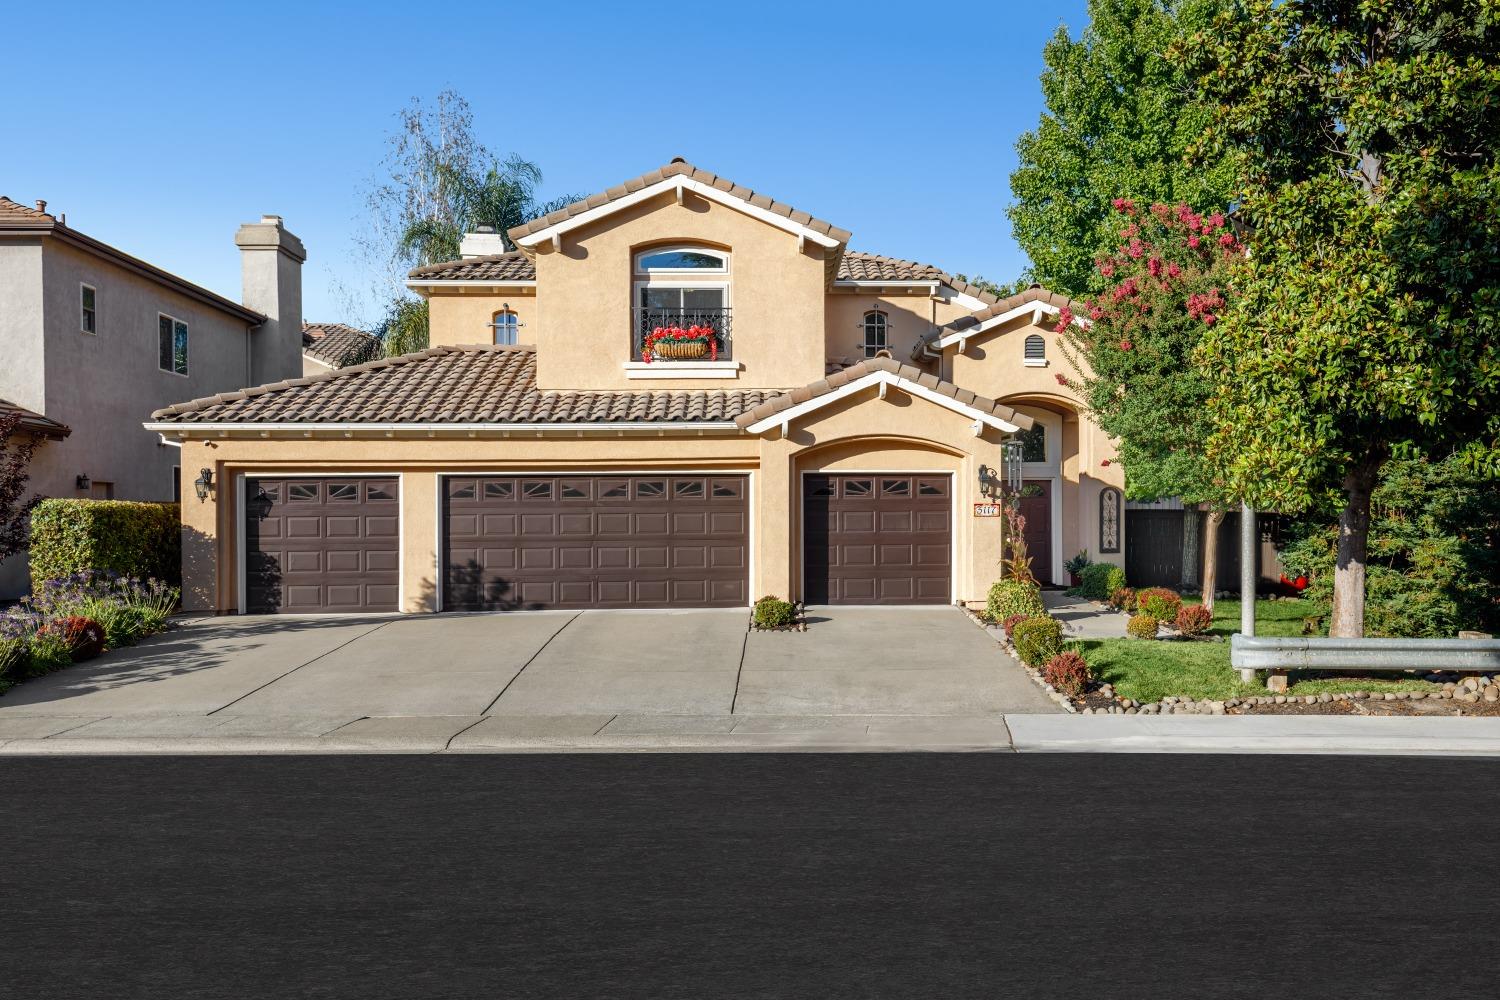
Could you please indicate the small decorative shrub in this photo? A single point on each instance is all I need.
(1114, 580)
(123, 537)
(1037, 640)
(1011, 597)
(1160, 603)
(1010, 624)
(773, 612)
(1142, 626)
(1124, 599)
(1069, 673)
(1078, 563)
(14, 655)
(1099, 580)
(49, 652)
(1193, 619)
(82, 637)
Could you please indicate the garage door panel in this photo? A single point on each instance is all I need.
(325, 544)
(614, 541)
(877, 538)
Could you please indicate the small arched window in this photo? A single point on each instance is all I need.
(505, 326)
(1036, 351)
(876, 327)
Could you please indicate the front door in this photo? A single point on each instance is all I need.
(1036, 508)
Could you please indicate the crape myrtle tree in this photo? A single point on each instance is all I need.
(1366, 137)
(1119, 118)
(1164, 287)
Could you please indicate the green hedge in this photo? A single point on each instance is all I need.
(1099, 580)
(1011, 597)
(132, 539)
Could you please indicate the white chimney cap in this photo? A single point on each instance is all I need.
(483, 242)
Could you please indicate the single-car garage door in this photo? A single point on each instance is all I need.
(877, 538)
(322, 544)
(597, 541)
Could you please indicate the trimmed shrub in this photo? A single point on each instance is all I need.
(1069, 673)
(82, 637)
(1037, 639)
(1160, 603)
(1099, 580)
(1193, 619)
(1012, 597)
(132, 539)
(1142, 626)
(1010, 624)
(14, 655)
(1124, 599)
(773, 612)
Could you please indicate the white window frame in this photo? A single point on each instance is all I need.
(514, 327)
(187, 344)
(86, 313)
(885, 332)
(723, 256)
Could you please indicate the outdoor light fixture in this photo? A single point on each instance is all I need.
(989, 483)
(82, 481)
(203, 483)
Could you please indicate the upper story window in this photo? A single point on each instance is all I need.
(1036, 351)
(506, 327)
(171, 344)
(876, 327)
(682, 303)
(88, 300)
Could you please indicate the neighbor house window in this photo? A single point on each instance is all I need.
(171, 345)
(88, 300)
(1036, 351)
(682, 287)
(506, 327)
(876, 326)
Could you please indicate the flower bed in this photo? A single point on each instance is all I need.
(77, 617)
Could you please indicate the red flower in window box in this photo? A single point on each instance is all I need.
(680, 343)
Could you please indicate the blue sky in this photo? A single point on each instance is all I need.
(160, 127)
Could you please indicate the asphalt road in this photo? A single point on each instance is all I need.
(721, 875)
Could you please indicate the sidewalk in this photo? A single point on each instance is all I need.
(260, 734)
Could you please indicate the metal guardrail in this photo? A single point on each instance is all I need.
(1279, 655)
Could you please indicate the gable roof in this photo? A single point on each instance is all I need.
(785, 407)
(1035, 300)
(34, 422)
(512, 265)
(460, 387)
(681, 175)
(338, 345)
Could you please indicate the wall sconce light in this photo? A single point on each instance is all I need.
(203, 484)
(989, 482)
(82, 481)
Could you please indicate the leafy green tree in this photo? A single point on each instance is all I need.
(17, 447)
(1368, 322)
(1119, 120)
(1165, 286)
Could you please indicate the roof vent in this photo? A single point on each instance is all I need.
(41, 206)
(678, 159)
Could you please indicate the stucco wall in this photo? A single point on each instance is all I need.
(585, 293)
(909, 318)
(24, 367)
(463, 317)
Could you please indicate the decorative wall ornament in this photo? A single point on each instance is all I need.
(1109, 520)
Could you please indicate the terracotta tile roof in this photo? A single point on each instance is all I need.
(511, 266)
(1033, 294)
(339, 345)
(677, 167)
(13, 212)
(838, 379)
(453, 385)
(35, 422)
(860, 266)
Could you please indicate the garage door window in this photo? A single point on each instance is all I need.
(499, 491)
(650, 490)
(728, 488)
(303, 491)
(690, 488)
(343, 491)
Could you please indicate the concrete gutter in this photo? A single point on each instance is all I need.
(221, 734)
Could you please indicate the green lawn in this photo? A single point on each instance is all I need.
(1150, 671)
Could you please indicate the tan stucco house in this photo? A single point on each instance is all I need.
(94, 340)
(827, 427)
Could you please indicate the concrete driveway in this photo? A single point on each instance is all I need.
(851, 661)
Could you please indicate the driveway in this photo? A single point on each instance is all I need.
(851, 661)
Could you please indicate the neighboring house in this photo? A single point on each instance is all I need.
(833, 435)
(95, 340)
(328, 346)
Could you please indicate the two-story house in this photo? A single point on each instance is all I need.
(678, 392)
(95, 340)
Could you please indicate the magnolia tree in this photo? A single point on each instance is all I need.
(1164, 287)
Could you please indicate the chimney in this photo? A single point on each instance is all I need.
(482, 242)
(271, 271)
(41, 206)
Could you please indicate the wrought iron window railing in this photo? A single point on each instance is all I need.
(648, 319)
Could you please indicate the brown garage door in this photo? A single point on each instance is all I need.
(322, 545)
(882, 538)
(595, 542)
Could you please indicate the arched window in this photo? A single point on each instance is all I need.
(683, 287)
(1036, 351)
(505, 327)
(876, 327)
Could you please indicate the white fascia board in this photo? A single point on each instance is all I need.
(319, 362)
(871, 283)
(205, 428)
(677, 184)
(1035, 309)
(966, 300)
(415, 283)
(785, 417)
